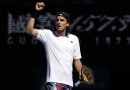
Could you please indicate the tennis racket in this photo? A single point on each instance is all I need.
(87, 76)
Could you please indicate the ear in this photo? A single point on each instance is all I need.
(67, 24)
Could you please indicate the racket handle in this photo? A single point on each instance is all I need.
(77, 83)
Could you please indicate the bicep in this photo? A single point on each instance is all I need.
(77, 62)
(33, 32)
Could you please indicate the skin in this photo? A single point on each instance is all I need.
(61, 24)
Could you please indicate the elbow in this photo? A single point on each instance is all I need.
(28, 30)
(31, 31)
(78, 62)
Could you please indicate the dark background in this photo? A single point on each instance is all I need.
(24, 64)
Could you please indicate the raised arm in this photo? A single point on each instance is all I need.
(30, 24)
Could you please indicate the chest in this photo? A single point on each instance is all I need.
(62, 43)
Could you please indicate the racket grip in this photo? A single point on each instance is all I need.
(77, 83)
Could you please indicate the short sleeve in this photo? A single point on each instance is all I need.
(77, 52)
(42, 35)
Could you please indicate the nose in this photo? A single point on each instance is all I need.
(58, 21)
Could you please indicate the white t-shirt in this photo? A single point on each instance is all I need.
(60, 51)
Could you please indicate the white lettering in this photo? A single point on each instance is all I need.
(10, 40)
(90, 23)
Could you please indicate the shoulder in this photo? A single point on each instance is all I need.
(44, 31)
(73, 36)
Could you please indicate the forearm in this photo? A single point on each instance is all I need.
(30, 25)
(31, 22)
(78, 66)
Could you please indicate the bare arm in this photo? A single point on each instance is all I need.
(78, 65)
(30, 24)
(30, 27)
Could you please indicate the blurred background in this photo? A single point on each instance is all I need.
(103, 28)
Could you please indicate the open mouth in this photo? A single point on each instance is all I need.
(58, 26)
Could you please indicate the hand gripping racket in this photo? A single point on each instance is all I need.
(87, 76)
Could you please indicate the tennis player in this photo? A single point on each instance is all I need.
(62, 50)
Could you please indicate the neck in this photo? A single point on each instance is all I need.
(62, 33)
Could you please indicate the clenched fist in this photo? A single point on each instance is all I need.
(39, 6)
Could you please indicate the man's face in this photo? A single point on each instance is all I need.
(61, 23)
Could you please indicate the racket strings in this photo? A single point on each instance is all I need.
(87, 75)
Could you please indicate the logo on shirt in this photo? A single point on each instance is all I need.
(71, 41)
